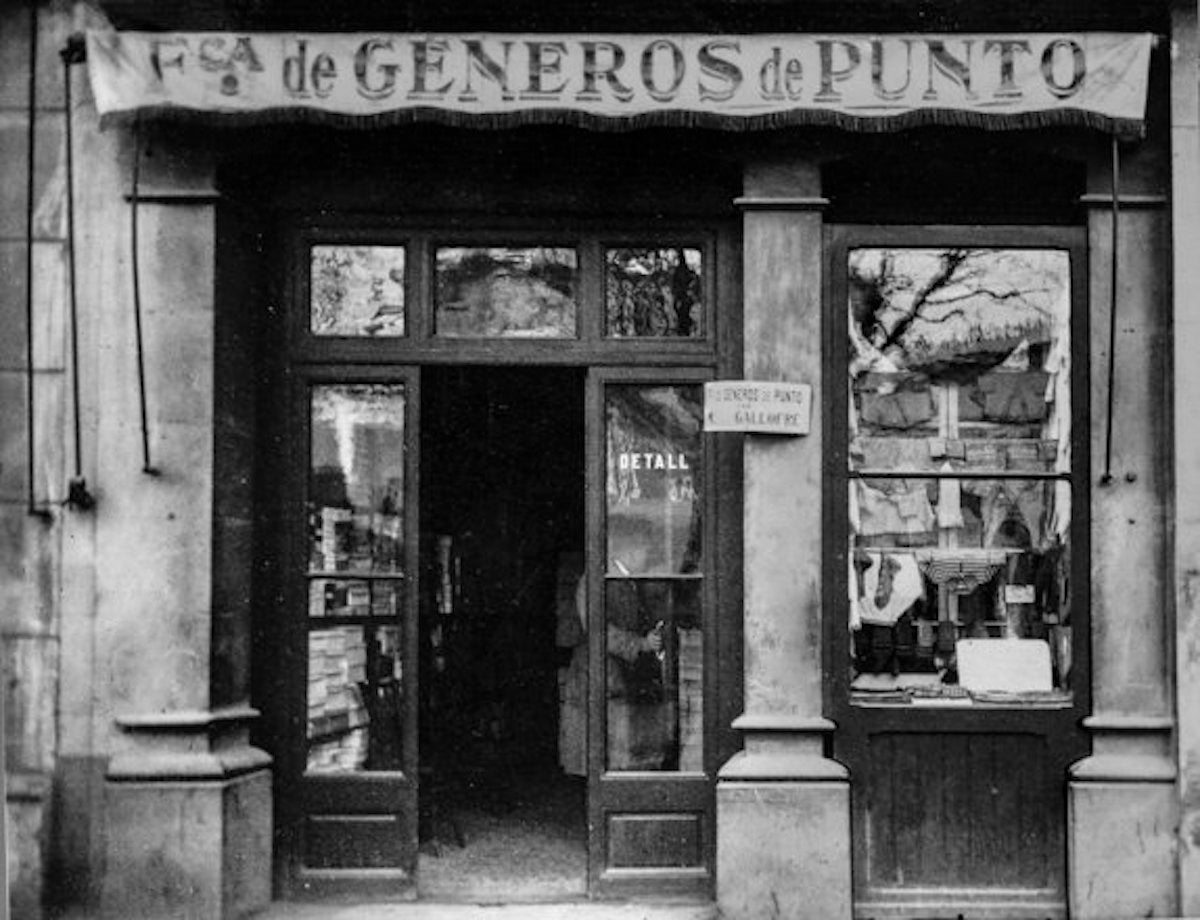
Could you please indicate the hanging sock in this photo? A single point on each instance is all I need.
(900, 589)
(887, 572)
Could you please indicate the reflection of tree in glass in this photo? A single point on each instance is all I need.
(654, 292)
(654, 503)
(948, 311)
(660, 420)
(329, 267)
(498, 292)
(357, 290)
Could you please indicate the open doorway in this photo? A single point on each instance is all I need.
(503, 673)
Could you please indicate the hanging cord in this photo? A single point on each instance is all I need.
(30, 192)
(1107, 478)
(78, 495)
(147, 467)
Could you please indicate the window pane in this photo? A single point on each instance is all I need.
(654, 674)
(654, 292)
(356, 495)
(960, 359)
(355, 715)
(356, 484)
(934, 562)
(357, 290)
(506, 292)
(654, 479)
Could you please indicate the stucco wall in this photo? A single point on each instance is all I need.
(30, 543)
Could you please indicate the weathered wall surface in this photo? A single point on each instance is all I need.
(106, 613)
(1129, 778)
(1185, 175)
(30, 543)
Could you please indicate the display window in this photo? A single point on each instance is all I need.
(959, 475)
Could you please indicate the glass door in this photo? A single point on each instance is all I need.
(355, 583)
(651, 761)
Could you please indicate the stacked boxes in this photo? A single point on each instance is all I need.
(336, 598)
(337, 715)
(358, 598)
(383, 599)
(335, 524)
(691, 700)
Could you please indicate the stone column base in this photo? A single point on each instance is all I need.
(182, 847)
(1122, 814)
(1121, 849)
(25, 822)
(783, 826)
(783, 850)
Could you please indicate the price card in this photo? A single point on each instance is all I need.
(1019, 594)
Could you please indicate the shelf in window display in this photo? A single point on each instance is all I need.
(952, 695)
(975, 457)
(353, 598)
(394, 574)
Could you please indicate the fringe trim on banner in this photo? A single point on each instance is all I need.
(1124, 128)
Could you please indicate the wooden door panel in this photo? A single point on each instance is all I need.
(337, 841)
(967, 810)
(640, 840)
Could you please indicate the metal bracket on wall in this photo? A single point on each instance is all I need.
(78, 495)
(1106, 478)
(147, 467)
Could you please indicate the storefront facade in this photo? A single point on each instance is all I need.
(361, 393)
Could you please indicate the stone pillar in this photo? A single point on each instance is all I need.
(783, 808)
(1185, 212)
(32, 402)
(185, 812)
(1121, 802)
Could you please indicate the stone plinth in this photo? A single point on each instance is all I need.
(189, 832)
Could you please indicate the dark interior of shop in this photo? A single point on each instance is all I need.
(502, 485)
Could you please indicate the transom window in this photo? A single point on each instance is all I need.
(551, 287)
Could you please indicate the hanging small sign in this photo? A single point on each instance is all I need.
(867, 82)
(760, 408)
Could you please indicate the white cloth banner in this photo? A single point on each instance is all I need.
(726, 81)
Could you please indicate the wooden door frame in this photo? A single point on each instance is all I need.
(1061, 726)
(346, 359)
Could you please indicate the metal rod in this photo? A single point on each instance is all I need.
(937, 475)
(30, 192)
(72, 296)
(147, 467)
(1107, 478)
(78, 495)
